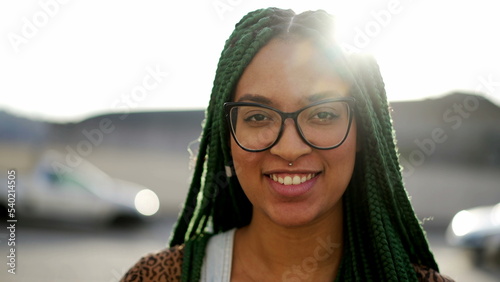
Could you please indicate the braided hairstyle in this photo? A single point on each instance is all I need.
(382, 236)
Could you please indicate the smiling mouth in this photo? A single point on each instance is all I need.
(292, 179)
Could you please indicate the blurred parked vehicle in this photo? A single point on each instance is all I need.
(79, 193)
(477, 229)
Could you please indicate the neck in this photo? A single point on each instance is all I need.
(307, 252)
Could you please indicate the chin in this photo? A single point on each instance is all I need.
(292, 217)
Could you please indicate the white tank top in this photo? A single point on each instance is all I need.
(218, 258)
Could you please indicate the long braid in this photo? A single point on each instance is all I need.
(382, 234)
(400, 194)
(379, 252)
(187, 212)
(392, 219)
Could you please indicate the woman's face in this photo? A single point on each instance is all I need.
(289, 75)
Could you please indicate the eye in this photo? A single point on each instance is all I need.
(329, 113)
(256, 118)
(325, 116)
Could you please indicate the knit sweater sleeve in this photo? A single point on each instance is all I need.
(162, 266)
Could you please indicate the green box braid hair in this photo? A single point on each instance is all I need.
(383, 237)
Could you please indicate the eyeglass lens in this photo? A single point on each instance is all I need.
(324, 125)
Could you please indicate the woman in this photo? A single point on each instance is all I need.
(297, 177)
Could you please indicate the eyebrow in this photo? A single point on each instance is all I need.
(255, 98)
(322, 95)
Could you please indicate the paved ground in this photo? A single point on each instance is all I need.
(457, 263)
(86, 254)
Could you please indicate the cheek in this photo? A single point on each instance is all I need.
(343, 157)
(243, 161)
(352, 139)
(247, 168)
(236, 153)
(351, 143)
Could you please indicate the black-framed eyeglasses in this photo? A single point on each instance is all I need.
(322, 125)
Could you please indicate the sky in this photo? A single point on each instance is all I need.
(67, 60)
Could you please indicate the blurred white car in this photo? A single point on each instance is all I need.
(80, 194)
(477, 229)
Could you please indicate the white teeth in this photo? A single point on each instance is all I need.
(292, 180)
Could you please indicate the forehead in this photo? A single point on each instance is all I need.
(290, 71)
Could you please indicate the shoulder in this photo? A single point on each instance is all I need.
(164, 265)
(425, 273)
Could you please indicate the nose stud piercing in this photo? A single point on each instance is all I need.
(290, 164)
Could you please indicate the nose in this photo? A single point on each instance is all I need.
(290, 146)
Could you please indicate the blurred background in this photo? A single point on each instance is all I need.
(101, 105)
